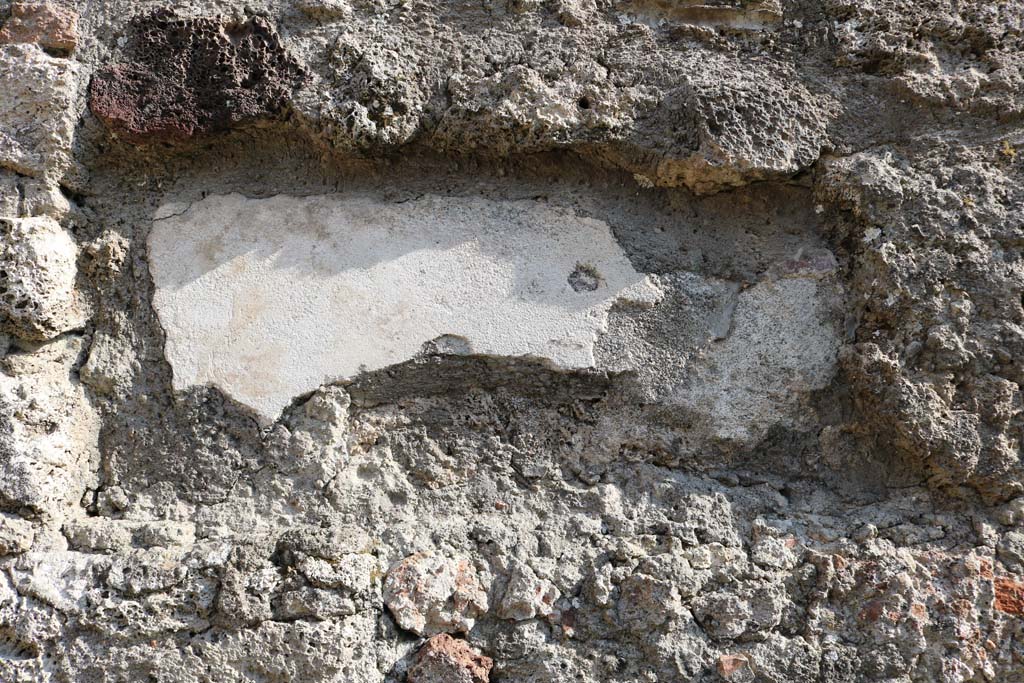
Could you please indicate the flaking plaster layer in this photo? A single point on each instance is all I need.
(270, 298)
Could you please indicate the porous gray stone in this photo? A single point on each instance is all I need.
(48, 431)
(15, 534)
(39, 110)
(526, 595)
(39, 298)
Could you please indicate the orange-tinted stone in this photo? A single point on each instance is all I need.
(1009, 596)
(44, 23)
(444, 659)
(730, 664)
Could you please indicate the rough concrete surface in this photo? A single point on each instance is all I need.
(511, 341)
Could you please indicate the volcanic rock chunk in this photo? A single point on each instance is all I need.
(189, 77)
(749, 125)
(748, 15)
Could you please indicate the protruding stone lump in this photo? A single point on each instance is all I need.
(46, 24)
(429, 594)
(38, 269)
(16, 534)
(187, 77)
(444, 659)
(527, 596)
(39, 111)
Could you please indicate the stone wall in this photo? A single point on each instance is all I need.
(515, 341)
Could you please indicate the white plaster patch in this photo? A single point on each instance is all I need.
(270, 298)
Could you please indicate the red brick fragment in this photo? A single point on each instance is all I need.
(1009, 596)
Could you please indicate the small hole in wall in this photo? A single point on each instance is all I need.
(583, 103)
(585, 278)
